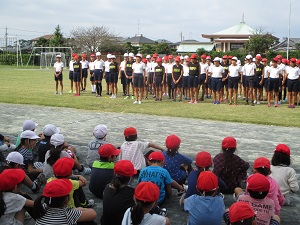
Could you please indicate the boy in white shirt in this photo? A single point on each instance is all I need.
(274, 74)
(234, 73)
(84, 66)
(58, 76)
(71, 71)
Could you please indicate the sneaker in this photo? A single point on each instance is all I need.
(289, 106)
(112, 96)
(61, 93)
(163, 212)
(254, 101)
(132, 96)
(279, 102)
(135, 102)
(181, 200)
(218, 102)
(191, 101)
(239, 96)
(86, 170)
(55, 93)
(88, 203)
(269, 104)
(39, 181)
(258, 102)
(244, 98)
(107, 93)
(276, 105)
(98, 96)
(70, 91)
(252, 104)
(153, 96)
(293, 106)
(214, 102)
(76, 94)
(180, 192)
(140, 102)
(126, 97)
(195, 102)
(247, 103)
(230, 103)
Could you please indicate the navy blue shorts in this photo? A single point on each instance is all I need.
(59, 78)
(185, 82)
(106, 77)
(84, 73)
(169, 79)
(208, 82)
(92, 78)
(123, 77)
(138, 81)
(129, 80)
(266, 83)
(151, 74)
(193, 81)
(233, 82)
(113, 77)
(98, 75)
(178, 85)
(224, 84)
(71, 75)
(216, 84)
(249, 81)
(158, 81)
(257, 80)
(77, 77)
(273, 84)
(202, 78)
(244, 81)
(292, 85)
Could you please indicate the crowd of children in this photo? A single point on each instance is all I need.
(114, 173)
(223, 79)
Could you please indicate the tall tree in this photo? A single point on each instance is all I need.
(57, 40)
(260, 41)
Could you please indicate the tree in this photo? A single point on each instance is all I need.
(162, 48)
(42, 42)
(129, 48)
(146, 49)
(260, 43)
(57, 40)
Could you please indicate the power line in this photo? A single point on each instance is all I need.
(32, 31)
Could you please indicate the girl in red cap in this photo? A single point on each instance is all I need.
(283, 173)
(71, 72)
(11, 203)
(117, 195)
(146, 195)
(84, 66)
(159, 79)
(51, 207)
(230, 167)
(77, 74)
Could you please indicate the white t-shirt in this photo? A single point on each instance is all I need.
(84, 64)
(71, 68)
(153, 65)
(107, 64)
(275, 72)
(203, 67)
(169, 68)
(92, 65)
(293, 72)
(234, 70)
(99, 64)
(248, 69)
(122, 65)
(138, 67)
(186, 71)
(217, 71)
(58, 66)
(148, 219)
(266, 71)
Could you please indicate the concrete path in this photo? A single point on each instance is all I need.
(196, 135)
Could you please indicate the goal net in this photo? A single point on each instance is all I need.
(47, 59)
(10, 51)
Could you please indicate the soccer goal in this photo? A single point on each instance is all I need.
(10, 51)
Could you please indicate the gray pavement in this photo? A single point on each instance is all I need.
(196, 135)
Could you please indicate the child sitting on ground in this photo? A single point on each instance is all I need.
(206, 206)
(103, 169)
(262, 166)
(100, 133)
(176, 164)
(146, 195)
(240, 213)
(230, 167)
(134, 150)
(283, 173)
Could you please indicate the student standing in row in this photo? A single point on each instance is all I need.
(177, 73)
(169, 69)
(185, 79)
(202, 77)
(194, 72)
(234, 73)
(84, 66)
(258, 79)
(274, 74)
(106, 76)
(58, 76)
(158, 79)
(98, 74)
(128, 75)
(77, 75)
(113, 76)
(122, 76)
(139, 72)
(224, 86)
(92, 70)
(249, 72)
(216, 73)
(71, 71)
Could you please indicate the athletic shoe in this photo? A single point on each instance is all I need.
(214, 102)
(218, 102)
(290, 106)
(181, 200)
(156, 99)
(70, 91)
(286, 99)
(126, 97)
(276, 105)
(98, 96)
(247, 103)
(269, 104)
(244, 98)
(180, 192)
(230, 103)
(123, 94)
(146, 98)
(86, 170)
(258, 103)
(153, 96)
(195, 102)
(111, 96)
(39, 181)
(55, 93)
(107, 93)
(88, 203)
(252, 104)
(191, 101)
(76, 94)
(132, 96)
(239, 96)
(114, 96)
(283, 101)
(135, 102)
(140, 102)
(163, 212)
(293, 106)
(254, 101)
(180, 100)
(61, 93)
(279, 102)
(160, 99)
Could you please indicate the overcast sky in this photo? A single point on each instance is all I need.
(163, 19)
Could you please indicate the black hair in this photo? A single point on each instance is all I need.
(54, 154)
(12, 164)
(244, 222)
(103, 159)
(207, 193)
(53, 202)
(172, 152)
(118, 181)
(2, 204)
(154, 161)
(131, 137)
(22, 143)
(258, 195)
(264, 171)
(137, 211)
(280, 158)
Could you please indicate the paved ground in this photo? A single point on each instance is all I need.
(196, 135)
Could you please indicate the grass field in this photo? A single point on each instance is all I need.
(36, 87)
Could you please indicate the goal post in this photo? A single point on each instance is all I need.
(10, 51)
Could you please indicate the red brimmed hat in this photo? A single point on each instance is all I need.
(63, 167)
(159, 60)
(240, 211)
(124, 168)
(279, 57)
(193, 56)
(83, 55)
(156, 156)
(177, 59)
(264, 60)
(57, 188)
(129, 131)
(258, 183)
(203, 56)
(172, 142)
(283, 148)
(229, 142)
(203, 159)
(108, 150)
(275, 60)
(10, 178)
(207, 181)
(225, 57)
(298, 61)
(261, 162)
(147, 192)
(74, 54)
(155, 55)
(93, 55)
(230, 57)
(293, 60)
(170, 56)
(166, 57)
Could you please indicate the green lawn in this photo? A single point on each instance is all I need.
(36, 87)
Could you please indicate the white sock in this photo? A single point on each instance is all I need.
(92, 86)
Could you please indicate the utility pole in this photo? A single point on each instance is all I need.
(6, 34)
(289, 32)
(181, 37)
(138, 27)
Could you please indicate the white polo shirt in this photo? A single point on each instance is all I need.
(138, 67)
(169, 68)
(71, 68)
(58, 66)
(293, 72)
(122, 65)
(186, 71)
(153, 65)
(275, 72)
(99, 64)
(249, 69)
(266, 71)
(84, 64)
(234, 71)
(203, 67)
(107, 64)
(217, 71)
(92, 65)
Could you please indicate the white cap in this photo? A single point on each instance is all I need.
(57, 140)
(217, 59)
(181, 57)
(186, 56)
(108, 56)
(234, 58)
(258, 55)
(28, 134)
(139, 55)
(100, 131)
(112, 56)
(98, 53)
(50, 129)
(148, 57)
(58, 56)
(249, 57)
(29, 125)
(126, 54)
(239, 62)
(15, 157)
(131, 54)
(253, 59)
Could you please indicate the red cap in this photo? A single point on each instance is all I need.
(63, 167)
(203, 56)
(283, 148)
(11, 178)
(230, 57)
(298, 61)
(177, 59)
(293, 60)
(258, 57)
(83, 55)
(264, 60)
(229, 142)
(74, 54)
(124, 168)
(147, 192)
(144, 60)
(172, 141)
(187, 59)
(76, 57)
(129, 131)
(203, 159)
(93, 55)
(287, 62)
(166, 57)
(159, 60)
(279, 56)
(225, 57)
(258, 183)
(57, 188)
(207, 181)
(156, 156)
(284, 61)
(155, 55)
(170, 56)
(240, 211)
(193, 56)
(208, 57)
(261, 162)
(108, 150)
